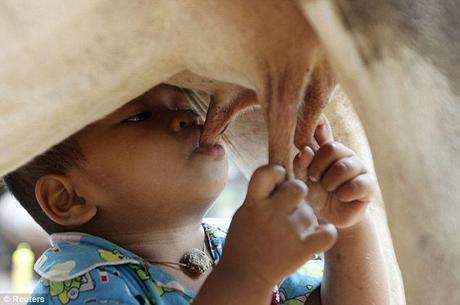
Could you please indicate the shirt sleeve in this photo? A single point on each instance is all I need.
(296, 288)
(98, 286)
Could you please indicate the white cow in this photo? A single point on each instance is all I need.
(66, 64)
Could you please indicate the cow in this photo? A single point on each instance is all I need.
(64, 65)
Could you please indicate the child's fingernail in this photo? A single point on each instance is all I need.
(313, 178)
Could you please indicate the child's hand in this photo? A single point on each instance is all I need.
(262, 243)
(340, 186)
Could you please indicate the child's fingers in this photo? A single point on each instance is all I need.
(289, 195)
(360, 188)
(323, 131)
(264, 181)
(325, 156)
(322, 134)
(301, 163)
(303, 219)
(314, 145)
(340, 172)
(322, 239)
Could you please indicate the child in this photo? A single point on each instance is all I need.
(136, 185)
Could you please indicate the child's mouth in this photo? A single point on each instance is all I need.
(215, 150)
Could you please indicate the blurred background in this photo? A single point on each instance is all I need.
(22, 241)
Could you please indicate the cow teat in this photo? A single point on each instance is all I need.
(223, 108)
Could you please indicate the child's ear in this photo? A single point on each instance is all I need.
(58, 199)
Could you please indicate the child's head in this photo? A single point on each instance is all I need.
(134, 168)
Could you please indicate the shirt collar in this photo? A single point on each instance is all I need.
(73, 254)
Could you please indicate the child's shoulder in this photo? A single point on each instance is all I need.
(82, 269)
(74, 254)
(79, 268)
(104, 284)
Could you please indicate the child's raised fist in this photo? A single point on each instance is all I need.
(274, 232)
(340, 186)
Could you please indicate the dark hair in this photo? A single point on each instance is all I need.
(21, 182)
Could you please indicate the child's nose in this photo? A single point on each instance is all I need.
(183, 119)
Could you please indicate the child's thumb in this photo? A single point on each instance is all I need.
(264, 181)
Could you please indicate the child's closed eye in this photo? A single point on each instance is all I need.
(142, 116)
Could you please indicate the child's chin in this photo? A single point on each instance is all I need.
(212, 176)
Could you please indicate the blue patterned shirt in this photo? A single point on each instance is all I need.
(80, 268)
